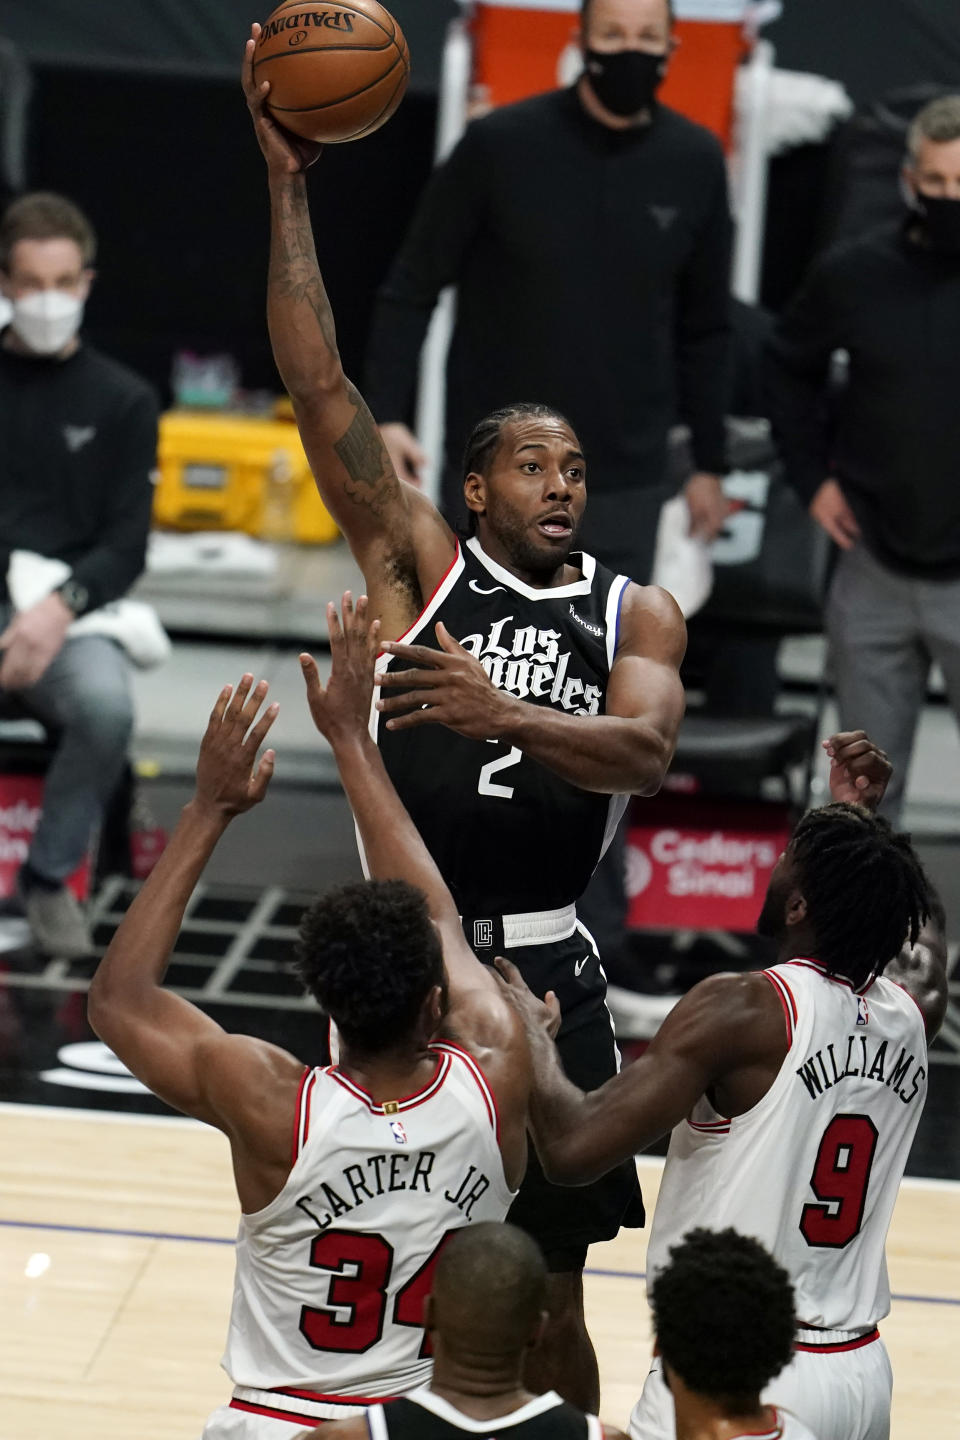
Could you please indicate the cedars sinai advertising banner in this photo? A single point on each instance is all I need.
(701, 866)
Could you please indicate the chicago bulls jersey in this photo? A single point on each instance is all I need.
(332, 1274)
(425, 1416)
(508, 834)
(813, 1170)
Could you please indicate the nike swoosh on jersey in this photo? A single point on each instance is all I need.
(479, 590)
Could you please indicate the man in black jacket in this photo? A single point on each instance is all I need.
(588, 234)
(77, 447)
(880, 474)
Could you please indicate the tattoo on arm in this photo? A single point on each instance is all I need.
(296, 285)
(362, 454)
(294, 272)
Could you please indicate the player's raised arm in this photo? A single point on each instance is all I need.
(391, 842)
(177, 1051)
(478, 1014)
(396, 535)
(724, 1022)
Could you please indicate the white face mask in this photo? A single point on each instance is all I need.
(47, 320)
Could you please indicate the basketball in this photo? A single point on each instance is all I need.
(337, 72)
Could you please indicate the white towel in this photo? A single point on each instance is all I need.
(131, 623)
(682, 563)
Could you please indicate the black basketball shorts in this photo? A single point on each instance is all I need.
(564, 1219)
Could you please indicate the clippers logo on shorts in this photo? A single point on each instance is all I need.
(526, 661)
(482, 934)
(863, 1010)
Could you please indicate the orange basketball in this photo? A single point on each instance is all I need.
(337, 72)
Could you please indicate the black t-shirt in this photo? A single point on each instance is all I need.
(592, 272)
(78, 443)
(509, 835)
(892, 439)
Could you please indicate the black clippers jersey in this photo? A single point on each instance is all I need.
(425, 1416)
(509, 835)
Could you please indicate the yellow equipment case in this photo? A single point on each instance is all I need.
(237, 472)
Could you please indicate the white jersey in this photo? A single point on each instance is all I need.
(813, 1170)
(331, 1276)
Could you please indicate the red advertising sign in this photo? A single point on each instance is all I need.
(21, 801)
(701, 865)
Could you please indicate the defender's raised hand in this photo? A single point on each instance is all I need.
(341, 710)
(229, 780)
(444, 687)
(859, 770)
(284, 153)
(541, 1018)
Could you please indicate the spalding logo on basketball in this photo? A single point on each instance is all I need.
(337, 72)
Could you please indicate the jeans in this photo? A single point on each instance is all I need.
(84, 695)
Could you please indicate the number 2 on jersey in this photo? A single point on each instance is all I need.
(361, 1293)
(840, 1177)
(488, 786)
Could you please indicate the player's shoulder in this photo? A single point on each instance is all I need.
(651, 623)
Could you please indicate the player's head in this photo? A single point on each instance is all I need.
(47, 250)
(371, 956)
(851, 887)
(724, 1318)
(524, 485)
(488, 1301)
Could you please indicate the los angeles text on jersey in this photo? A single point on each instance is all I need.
(864, 1059)
(526, 661)
(385, 1174)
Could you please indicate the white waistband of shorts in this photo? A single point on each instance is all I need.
(539, 927)
(825, 1338)
(298, 1404)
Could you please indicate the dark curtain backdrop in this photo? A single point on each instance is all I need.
(200, 37)
(170, 173)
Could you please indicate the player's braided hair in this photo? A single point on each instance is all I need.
(724, 1316)
(369, 954)
(485, 438)
(865, 889)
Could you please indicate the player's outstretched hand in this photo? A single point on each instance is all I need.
(859, 770)
(341, 710)
(284, 153)
(540, 1017)
(443, 687)
(229, 780)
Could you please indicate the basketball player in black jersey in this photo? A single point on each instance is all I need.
(541, 692)
(485, 1313)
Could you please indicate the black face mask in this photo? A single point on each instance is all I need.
(625, 81)
(941, 222)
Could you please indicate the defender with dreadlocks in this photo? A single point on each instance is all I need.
(793, 1095)
(540, 692)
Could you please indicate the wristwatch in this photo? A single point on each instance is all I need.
(75, 596)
